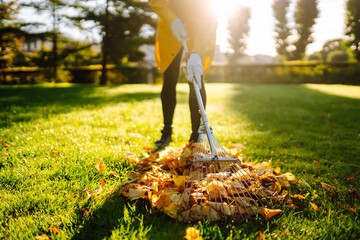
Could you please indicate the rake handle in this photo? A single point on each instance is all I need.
(214, 154)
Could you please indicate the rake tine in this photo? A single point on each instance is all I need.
(229, 164)
(218, 170)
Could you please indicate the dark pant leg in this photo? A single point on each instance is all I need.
(168, 92)
(194, 107)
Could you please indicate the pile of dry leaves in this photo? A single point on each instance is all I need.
(167, 180)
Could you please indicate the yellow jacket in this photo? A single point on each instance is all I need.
(200, 24)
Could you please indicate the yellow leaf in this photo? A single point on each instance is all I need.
(283, 180)
(42, 237)
(100, 167)
(297, 196)
(327, 186)
(269, 213)
(314, 207)
(192, 234)
(179, 180)
(172, 210)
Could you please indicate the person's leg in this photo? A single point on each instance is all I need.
(194, 109)
(168, 99)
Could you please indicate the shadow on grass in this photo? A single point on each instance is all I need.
(21, 104)
(300, 123)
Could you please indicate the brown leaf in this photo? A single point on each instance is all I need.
(314, 207)
(85, 212)
(103, 181)
(351, 209)
(316, 162)
(349, 178)
(354, 194)
(6, 145)
(54, 153)
(55, 230)
(100, 167)
(327, 186)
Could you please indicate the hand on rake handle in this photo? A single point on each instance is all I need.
(178, 29)
(195, 69)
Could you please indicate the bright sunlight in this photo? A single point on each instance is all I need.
(259, 29)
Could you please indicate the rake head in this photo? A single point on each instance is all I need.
(221, 187)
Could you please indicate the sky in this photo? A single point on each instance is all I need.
(330, 24)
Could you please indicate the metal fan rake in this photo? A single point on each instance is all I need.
(219, 186)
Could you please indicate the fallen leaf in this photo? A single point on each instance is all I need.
(351, 209)
(354, 194)
(314, 207)
(103, 181)
(55, 230)
(269, 213)
(96, 192)
(316, 162)
(192, 234)
(54, 153)
(137, 193)
(297, 196)
(6, 145)
(306, 183)
(349, 178)
(330, 195)
(85, 212)
(327, 186)
(100, 167)
(286, 232)
(42, 237)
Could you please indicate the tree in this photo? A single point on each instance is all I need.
(282, 30)
(238, 26)
(305, 15)
(121, 23)
(353, 25)
(331, 46)
(57, 10)
(10, 34)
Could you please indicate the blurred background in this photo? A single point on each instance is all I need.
(112, 41)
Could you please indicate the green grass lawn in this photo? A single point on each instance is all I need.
(52, 136)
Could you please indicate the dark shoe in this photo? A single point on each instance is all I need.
(164, 140)
(194, 137)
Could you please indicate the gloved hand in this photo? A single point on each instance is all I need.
(178, 29)
(194, 68)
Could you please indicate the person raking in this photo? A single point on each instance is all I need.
(193, 21)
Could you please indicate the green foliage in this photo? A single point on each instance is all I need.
(282, 30)
(333, 45)
(353, 25)
(10, 33)
(121, 23)
(315, 57)
(238, 26)
(338, 56)
(305, 15)
(291, 72)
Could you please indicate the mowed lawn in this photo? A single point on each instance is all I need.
(52, 136)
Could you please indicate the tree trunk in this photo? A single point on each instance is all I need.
(103, 78)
